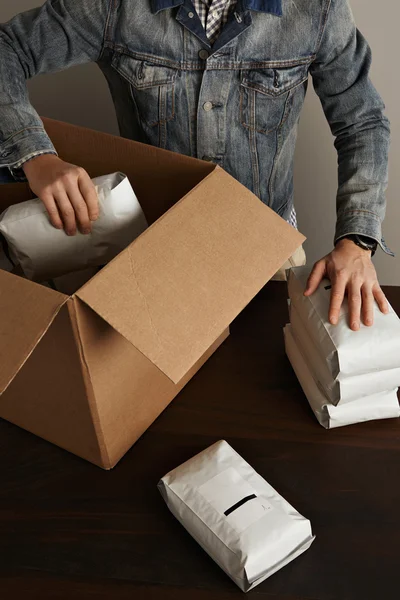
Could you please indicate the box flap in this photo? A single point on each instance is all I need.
(26, 312)
(182, 282)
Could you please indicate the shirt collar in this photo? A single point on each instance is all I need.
(268, 6)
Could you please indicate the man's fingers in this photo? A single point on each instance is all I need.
(354, 299)
(367, 305)
(315, 278)
(52, 210)
(380, 299)
(81, 209)
(337, 297)
(89, 194)
(67, 212)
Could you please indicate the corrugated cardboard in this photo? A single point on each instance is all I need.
(92, 371)
(26, 313)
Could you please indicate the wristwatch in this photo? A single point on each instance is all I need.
(363, 241)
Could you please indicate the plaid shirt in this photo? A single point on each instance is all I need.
(213, 15)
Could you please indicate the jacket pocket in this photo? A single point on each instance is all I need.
(152, 88)
(265, 96)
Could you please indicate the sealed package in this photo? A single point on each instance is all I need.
(235, 515)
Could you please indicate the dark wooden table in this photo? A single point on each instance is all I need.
(70, 530)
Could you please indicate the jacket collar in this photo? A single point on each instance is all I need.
(268, 6)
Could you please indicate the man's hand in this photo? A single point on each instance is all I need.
(350, 271)
(66, 191)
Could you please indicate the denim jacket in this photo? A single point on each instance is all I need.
(236, 103)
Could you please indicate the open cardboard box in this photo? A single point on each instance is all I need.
(90, 372)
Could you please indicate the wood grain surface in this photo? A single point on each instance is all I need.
(69, 530)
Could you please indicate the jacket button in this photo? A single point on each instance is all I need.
(207, 106)
(203, 54)
(190, 15)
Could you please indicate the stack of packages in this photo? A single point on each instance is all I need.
(347, 376)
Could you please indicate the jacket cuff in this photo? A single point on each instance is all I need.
(361, 222)
(23, 146)
(17, 171)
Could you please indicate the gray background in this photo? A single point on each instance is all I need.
(81, 96)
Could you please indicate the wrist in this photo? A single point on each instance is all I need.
(363, 242)
(42, 159)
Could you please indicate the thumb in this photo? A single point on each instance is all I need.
(317, 274)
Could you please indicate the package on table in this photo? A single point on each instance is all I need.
(236, 516)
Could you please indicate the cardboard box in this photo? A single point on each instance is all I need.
(90, 372)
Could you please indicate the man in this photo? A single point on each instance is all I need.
(222, 80)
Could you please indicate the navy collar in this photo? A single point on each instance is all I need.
(268, 6)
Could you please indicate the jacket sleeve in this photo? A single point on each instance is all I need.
(53, 37)
(355, 113)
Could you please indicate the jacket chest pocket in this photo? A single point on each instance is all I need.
(266, 94)
(152, 88)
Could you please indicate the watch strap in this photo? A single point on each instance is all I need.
(363, 241)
